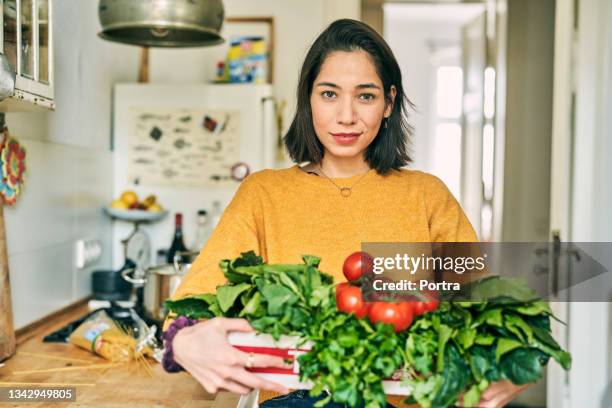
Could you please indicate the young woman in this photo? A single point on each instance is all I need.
(351, 129)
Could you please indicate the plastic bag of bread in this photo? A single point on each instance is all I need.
(101, 335)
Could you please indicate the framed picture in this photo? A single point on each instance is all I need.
(237, 27)
(233, 29)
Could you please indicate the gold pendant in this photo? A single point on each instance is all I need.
(345, 192)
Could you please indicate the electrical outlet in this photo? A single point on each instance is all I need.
(87, 252)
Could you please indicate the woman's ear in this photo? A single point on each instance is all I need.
(390, 101)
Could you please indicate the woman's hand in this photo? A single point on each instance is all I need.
(498, 394)
(203, 350)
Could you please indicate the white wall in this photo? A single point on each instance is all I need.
(69, 173)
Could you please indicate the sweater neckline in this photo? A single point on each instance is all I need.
(321, 180)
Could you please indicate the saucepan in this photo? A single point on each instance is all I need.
(159, 283)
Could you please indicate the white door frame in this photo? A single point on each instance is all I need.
(581, 86)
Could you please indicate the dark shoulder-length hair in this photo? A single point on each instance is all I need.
(389, 150)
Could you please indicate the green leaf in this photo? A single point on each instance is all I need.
(466, 337)
(518, 326)
(492, 317)
(522, 366)
(505, 346)
(534, 308)
(253, 307)
(497, 289)
(288, 282)
(444, 334)
(247, 259)
(562, 357)
(472, 396)
(227, 295)
(278, 297)
(483, 364)
(545, 337)
(194, 307)
(311, 260)
(455, 378)
(484, 339)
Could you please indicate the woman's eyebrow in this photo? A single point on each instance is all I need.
(368, 85)
(330, 84)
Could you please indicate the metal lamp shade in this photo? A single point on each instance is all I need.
(162, 23)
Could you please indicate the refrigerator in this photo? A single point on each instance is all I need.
(189, 145)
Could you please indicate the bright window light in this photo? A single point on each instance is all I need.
(488, 158)
(447, 156)
(489, 93)
(449, 92)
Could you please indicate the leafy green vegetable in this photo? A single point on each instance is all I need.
(227, 295)
(493, 329)
(522, 366)
(505, 334)
(350, 358)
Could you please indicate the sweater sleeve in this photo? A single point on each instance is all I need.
(236, 232)
(447, 221)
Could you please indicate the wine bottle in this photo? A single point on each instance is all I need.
(178, 244)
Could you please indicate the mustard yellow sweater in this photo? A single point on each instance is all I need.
(283, 214)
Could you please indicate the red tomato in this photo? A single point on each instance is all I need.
(397, 314)
(356, 265)
(340, 287)
(433, 303)
(349, 300)
(418, 308)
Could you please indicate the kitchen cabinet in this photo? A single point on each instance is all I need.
(27, 44)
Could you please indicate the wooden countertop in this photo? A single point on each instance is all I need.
(127, 385)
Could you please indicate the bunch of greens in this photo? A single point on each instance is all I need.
(494, 329)
(350, 358)
(276, 299)
(465, 345)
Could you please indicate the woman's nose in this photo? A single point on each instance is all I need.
(346, 112)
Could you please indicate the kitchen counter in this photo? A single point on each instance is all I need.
(126, 385)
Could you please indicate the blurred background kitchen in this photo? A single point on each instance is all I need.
(133, 152)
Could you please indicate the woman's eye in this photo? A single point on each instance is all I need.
(367, 96)
(328, 94)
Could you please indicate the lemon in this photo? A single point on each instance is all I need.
(129, 198)
(155, 207)
(119, 205)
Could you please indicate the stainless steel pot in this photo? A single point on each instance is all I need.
(159, 283)
(162, 23)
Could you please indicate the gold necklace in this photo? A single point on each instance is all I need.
(344, 191)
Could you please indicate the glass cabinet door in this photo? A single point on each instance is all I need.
(43, 40)
(27, 44)
(9, 14)
(28, 51)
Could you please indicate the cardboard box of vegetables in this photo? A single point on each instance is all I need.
(438, 350)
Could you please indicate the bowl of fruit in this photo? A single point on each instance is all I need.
(128, 207)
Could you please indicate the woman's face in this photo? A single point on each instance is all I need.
(348, 103)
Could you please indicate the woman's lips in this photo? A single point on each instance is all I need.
(346, 138)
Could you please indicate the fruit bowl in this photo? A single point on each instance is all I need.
(135, 215)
